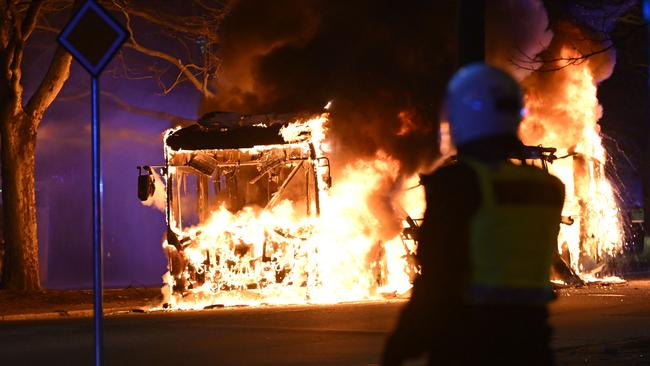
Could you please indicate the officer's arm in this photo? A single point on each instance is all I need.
(452, 198)
(412, 335)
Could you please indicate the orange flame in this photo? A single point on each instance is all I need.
(567, 118)
(344, 254)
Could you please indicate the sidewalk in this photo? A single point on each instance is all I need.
(50, 304)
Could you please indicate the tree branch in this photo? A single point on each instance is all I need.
(224, 7)
(189, 25)
(182, 68)
(4, 26)
(529, 62)
(128, 107)
(560, 62)
(13, 58)
(29, 23)
(15, 72)
(172, 118)
(51, 85)
(47, 28)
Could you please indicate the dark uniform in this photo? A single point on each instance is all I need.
(485, 249)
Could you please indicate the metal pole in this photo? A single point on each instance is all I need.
(97, 224)
(645, 173)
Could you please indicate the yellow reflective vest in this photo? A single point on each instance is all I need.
(513, 234)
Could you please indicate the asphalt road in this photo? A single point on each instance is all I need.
(594, 326)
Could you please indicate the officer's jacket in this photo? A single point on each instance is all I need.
(513, 233)
(487, 228)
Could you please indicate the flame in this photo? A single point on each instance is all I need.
(567, 118)
(281, 255)
(406, 123)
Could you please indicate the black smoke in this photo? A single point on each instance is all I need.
(383, 63)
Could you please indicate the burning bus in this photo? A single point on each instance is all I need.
(228, 164)
(244, 200)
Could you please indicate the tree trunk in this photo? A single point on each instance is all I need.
(21, 271)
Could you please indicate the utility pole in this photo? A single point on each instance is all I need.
(471, 31)
(646, 153)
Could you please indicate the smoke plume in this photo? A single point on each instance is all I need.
(581, 40)
(516, 30)
(383, 65)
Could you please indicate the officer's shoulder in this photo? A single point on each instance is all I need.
(534, 170)
(452, 172)
(543, 174)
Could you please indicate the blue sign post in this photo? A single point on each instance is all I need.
(92, 37)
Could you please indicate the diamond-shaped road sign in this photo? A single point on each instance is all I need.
(92, 37)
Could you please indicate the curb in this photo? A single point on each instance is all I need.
(62, 314)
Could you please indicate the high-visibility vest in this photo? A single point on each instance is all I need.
(513, 234)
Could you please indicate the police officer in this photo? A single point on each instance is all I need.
(486, 242)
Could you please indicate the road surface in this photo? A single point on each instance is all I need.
(594, 326)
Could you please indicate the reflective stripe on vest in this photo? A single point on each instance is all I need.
(513, 234)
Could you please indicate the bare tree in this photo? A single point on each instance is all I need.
(21, 115)
(598, 20)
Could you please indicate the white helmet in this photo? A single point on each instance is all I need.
(482, 101)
